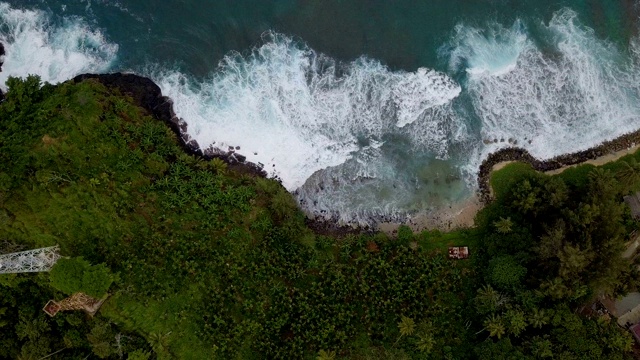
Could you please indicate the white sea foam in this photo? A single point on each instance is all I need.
(357, 140)
(490, 51)
(298, 112)
(579, 94)
(34, 45)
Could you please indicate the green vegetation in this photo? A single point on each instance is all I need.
(202, 262)
(78, 275)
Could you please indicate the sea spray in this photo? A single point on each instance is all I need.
(300, 114)
(56, 53)
(354, 140)
(567, 92)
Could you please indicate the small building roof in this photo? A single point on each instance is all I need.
(635, 330)
(458, 252)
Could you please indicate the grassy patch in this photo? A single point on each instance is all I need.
(502, 180)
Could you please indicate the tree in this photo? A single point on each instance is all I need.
(629, 174)
(78, 275)
(555, 288)
(504, 225)
(406, 326)
(160, 344)
(495, 326)
(539, 318)
(526, 197)
(487, 299)
(506, 273)
(326, 355)
(602, 184)
(139, 355)
(218, 166)
(516, 321)
(100, 339)
(405, 234)
(66, 275)
(96, 281)
(425, 342)
(541, 348)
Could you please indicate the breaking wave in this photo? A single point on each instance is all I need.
(357, 141)
(55, 52)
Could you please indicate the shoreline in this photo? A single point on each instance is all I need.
(147, 94)
(462, 215)
(459, 215)
(606, 150)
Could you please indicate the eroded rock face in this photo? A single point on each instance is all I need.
(148, 95)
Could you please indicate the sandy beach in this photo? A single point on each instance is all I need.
(462, 215)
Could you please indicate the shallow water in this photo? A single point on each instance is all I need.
(364, 109)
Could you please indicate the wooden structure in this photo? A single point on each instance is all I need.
(634, 203)
(458, 252)
(77, 301)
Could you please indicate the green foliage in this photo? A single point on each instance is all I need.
(502, 181)
(139, 355)
(505, 272)
(405, 234)
(78, 275)
(495, 326)
(503, 225)
(561, 245)
(406, 326)
(217, 264)
(326, 355)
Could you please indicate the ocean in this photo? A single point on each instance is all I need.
(366, 110)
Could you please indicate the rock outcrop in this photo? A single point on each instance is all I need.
(148, 95)
(623, 142)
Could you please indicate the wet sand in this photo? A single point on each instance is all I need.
(462, 215)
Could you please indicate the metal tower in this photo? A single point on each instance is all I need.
(36, 260)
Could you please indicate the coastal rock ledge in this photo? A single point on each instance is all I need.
(620, 143)
(147, 94)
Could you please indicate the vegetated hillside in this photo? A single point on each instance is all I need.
(203, 262)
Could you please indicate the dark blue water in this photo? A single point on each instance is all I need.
(365, 108)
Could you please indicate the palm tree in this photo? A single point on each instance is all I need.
(487, 299)
(539, 318)
(159, 343)
(406, 326)
(601, 183)
(503, 226)
(629, 174)
(516, 322)
(494, 326)
(326, 355)
(425, 343)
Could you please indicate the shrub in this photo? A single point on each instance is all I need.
(78, 275)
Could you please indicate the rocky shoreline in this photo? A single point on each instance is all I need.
(148, 95)
(623, 142)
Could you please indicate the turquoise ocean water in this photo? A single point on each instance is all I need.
(366, 109)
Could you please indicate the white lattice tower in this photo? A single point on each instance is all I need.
(36, 260)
